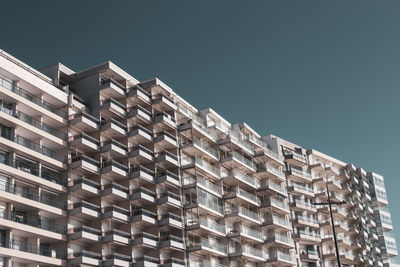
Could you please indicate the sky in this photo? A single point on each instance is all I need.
(322, 74)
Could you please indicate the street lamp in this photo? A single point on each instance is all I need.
(330, 203)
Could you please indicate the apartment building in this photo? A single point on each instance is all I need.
(100, 169)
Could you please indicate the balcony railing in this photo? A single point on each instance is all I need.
(245, 212)
(114, 82)
(207, 166)
(33, 98)
(253, 251)
(205, 147)
(34, 170)
(247, 195)
(27, 193)
(277, 220)
(243, 160)
(34, 122)
(31, 220)
(250, 232)
(34, 146)
(209, 185)
(277, 187)
(211, 205)
(212, 225)
(214, 245)
(246, 178)
(302, 187)
(31, 248)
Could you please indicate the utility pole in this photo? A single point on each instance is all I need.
(330, 203)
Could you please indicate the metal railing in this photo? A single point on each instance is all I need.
(33, 98)
(31, 248)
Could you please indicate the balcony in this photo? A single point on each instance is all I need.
(165, 140)
(281, 258)
(45, 254)
(112, 88)
(210, 206)
(235, 177)
(205, 184)
(141, 154)
(140, 135)
(269, 171)
(84, 210)
(145, 175)
(170, 219)
(306, 221)
(251, 234)
(137, 95)
(171, 242)
(275, 205)
(309, 236)
(117, 260)
(244, 196)
(209, 225)
(301, 205)
(84, 187)
(299, 175)
(204, 263)
(294, 157)
(112, 108)
(170, 199)
(113, 128)
(32, 122)
(211, 246)
(143, 195)
(273, 188)
(84, 234)
(299, 190)
(249, 253)
(145, 239)
(116, 213)
(145, 261)
(242, 214)
(198, 147)
(163, 102)
(199, 129)
(275, 222)
(238, 161)
(33, 221)
(85, 165)
(271, 156)
(85, 143)
(26, 94)
(116, 236)
(114, 169)
(27, 143)
(206, 168)
(166, 159)
(278, 240)
(114, 149)
(163, 121)
(309, 255)
(115, 192)
(235, 139)
(87, 123)
(85, 258)
(143, 217)
(15, 191)
(168, 178)
(139, 115)
(172, 262)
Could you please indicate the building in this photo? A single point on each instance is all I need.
(100, 169)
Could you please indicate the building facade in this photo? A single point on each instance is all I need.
(100, 169)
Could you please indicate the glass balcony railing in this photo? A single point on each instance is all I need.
(213, 245)
(284, 256)
(300, 172)
(209, 185)
(207, 166)
(212, 225)
(253, 251)
(33, 98)
(205, 147)
(277, 203)
(248, 213)
(247, 195)
(277, 220)
(277, 187)
(302, 187)
(251, 232)
(246, 178)
(211, 205)
(243, 160)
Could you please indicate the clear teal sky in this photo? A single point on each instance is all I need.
(324, 74)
